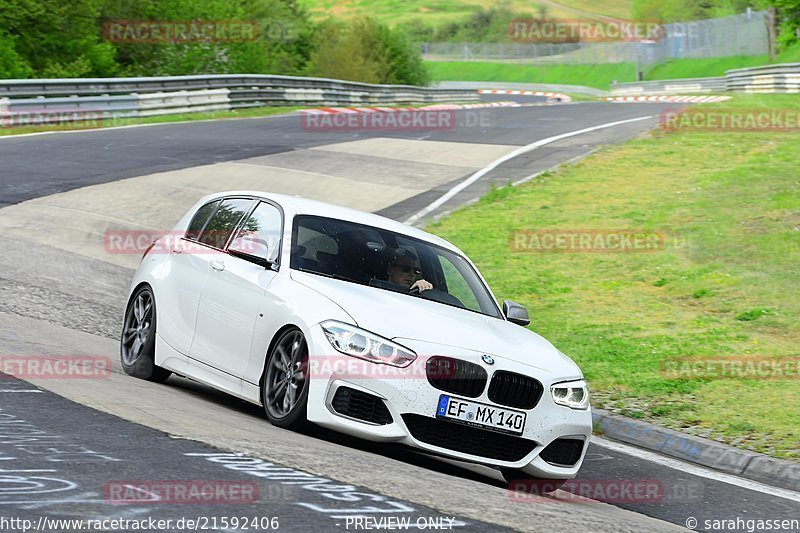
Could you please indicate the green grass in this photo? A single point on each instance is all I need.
(729, 290)
(716, 66)
(183, 117)
(612, 8)
(422, 11)
(598, 76)
(702, 68)
(790, 55)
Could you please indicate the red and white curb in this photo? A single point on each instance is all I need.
(670, 98)
(339, 110)
(448, 107)
(559, 96)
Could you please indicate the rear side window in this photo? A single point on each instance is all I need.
(224, 220)
(199, 221)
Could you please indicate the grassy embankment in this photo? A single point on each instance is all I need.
(599, 76)
(731, 291)
(447, 11)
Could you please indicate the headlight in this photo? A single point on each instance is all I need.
(574, 394)
(356, 342)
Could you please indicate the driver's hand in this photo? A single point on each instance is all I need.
(422, 285)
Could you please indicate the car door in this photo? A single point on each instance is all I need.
(182, 281)
(234, 291)
(186, 273)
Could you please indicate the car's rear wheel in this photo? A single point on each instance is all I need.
(284, 385)
(519, 481)
(138, 343)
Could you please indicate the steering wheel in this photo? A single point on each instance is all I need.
(437, 295)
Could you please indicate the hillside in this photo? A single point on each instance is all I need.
(444, 11)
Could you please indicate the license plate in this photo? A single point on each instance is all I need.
(480, 415)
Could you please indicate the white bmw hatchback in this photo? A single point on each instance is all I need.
(357, 323)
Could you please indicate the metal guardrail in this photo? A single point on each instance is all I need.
(780, 78)
(135, 97)
(680, 86)
(108, 86)
(477, 85)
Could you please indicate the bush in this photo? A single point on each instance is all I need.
(282, 45)
(12, 65)
(367, 51)
(483, 25)
(51, 38)
(788, 22)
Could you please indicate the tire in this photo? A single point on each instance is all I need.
(137, 347)
(285, 382)
(522, 482)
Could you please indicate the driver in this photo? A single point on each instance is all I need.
(403, 270)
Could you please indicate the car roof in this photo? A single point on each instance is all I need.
(297, 205)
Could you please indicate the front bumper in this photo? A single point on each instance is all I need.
(411, 402)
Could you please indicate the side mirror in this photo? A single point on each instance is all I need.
(516, 313)
(250, 246)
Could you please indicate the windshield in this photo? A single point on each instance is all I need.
(387, 261)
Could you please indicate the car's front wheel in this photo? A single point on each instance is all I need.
(284, 385)
(519, 481)
(138, 343)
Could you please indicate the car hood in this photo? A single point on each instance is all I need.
(400, 317)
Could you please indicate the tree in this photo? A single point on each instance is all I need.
(280, 45)
(367, 51)
(12, 65)
(787, 19)
(56, 38)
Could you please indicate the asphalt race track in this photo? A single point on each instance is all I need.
(66, 445)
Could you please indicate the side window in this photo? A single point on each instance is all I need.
(260, 235)
(200, 219)
(457, 286)
(224, 221)
(312, 242)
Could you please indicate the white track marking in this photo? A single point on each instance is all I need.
(494, 164)
(696, 470)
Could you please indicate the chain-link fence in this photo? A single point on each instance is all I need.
(743, 34)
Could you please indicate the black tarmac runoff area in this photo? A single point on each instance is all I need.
(66, 467)
(39, 165)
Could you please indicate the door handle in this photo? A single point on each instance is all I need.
(177, 250)
(217, 265)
